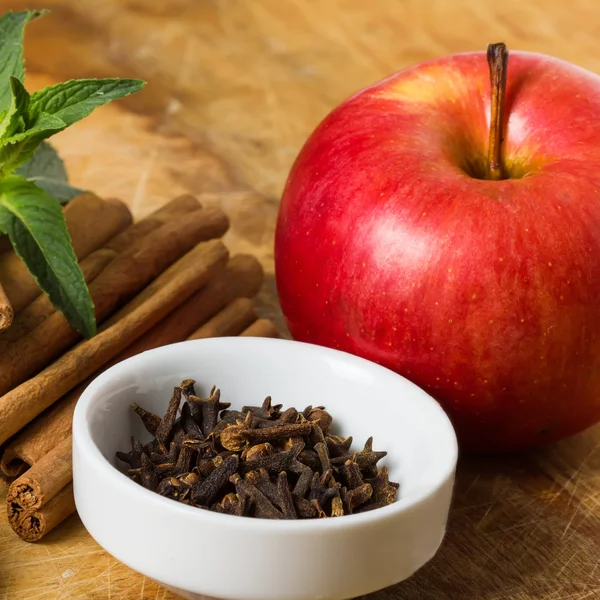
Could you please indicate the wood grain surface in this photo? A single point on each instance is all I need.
(235, 86)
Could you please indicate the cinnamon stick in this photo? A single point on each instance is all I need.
(232, 320)
(42, 482)
(176, 208)
(124, 277)
(243, 277)
(262, 328)
(91, 223)
(41, 435)
(19, 406)
(6, 310)
(31, 527)
(41, 307)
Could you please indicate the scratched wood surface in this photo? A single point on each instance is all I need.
(234, 89)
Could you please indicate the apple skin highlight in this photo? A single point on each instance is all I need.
(391, 245)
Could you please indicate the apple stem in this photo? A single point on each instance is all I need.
(497, 57)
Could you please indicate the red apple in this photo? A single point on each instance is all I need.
(395, 243)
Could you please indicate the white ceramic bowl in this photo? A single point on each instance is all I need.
(195, 551)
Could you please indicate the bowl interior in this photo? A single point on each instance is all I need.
(363, 398)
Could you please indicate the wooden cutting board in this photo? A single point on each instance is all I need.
(234, 89)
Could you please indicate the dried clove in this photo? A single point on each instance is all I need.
(206, 491)
(167, 423)
(321, 417)
(259, 436)
(323, 455)
(263, 507)
(310, 458)
(351, 473)
(319, 490)
(184, 460)
(206, 410)
(304, 508)
(384, 491)
(210, 410)
(287, 502)
(134, 457)
(289, 415)
(187, 387)
(356, 497)
(266, 411)
(318, 436)
(152, 446)
(261, 480)
(191, 428)
(338, 446)
(148, 476)
(150, 421)
(302, 486)
(281, 461)
(170, 457)
(366, 457)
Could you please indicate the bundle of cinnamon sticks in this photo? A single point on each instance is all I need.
(164, 279)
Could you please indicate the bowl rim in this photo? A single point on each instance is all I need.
(89, 451)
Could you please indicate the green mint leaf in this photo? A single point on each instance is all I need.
(73, 100)
(12, 27)
(45, 125)
(20, 135)
(13, 120)
(36, 227)
(47, 170)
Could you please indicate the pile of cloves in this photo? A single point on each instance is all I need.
(258, 462)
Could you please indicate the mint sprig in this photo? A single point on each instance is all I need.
(33, 180)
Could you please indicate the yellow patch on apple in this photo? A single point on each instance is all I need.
(424, 86)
